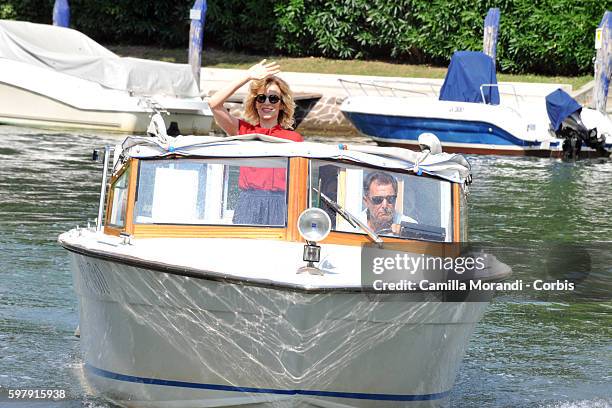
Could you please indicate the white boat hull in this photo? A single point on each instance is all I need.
(157, 339)
(462, 127)
(37, 97)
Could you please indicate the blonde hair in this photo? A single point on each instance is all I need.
(287, 106)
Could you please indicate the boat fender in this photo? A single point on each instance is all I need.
(429, 141)
(157, 128)
(342, 146)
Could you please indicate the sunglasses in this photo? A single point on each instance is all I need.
(377, 200)
(261, 98)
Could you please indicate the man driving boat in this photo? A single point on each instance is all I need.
(379, 197)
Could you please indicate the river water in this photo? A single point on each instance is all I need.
(524, 353)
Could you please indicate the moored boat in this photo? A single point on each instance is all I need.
(56, 77)
(182, 305)
(469, 116)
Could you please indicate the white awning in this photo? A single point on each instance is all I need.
(452, 167)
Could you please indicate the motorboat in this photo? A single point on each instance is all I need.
(181, 305)
(469, 116)
(56, 77)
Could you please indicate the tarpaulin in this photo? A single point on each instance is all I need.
(559, 105)
(467, 71)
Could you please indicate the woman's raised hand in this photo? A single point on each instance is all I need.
(263, 70)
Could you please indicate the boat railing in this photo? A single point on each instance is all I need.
(516, 97)
(374, 88)
(369, 88)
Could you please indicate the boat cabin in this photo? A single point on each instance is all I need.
(211, 187)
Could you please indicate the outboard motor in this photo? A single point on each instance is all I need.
(564, 114)
(574, 133)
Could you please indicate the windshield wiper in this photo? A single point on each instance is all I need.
(354, 221)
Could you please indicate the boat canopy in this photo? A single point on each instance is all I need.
(451, 167)
(559, 105)
(73, 53)
(467, 72)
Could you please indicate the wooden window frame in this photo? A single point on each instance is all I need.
(297, 201)
(128, 227)
(298, 173)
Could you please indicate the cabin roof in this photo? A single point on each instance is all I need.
(451, 167)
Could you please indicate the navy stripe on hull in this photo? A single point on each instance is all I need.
(448, 131)
(467, 135)
(216, 387)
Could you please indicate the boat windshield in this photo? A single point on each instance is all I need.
(391, 204)
(212, 192)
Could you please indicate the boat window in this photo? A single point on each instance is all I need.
(212, 192)
(120, 196)
(391, 203)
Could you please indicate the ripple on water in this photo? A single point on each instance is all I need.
(525, 199)
(595, 403)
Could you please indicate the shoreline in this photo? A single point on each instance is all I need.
(323, 116)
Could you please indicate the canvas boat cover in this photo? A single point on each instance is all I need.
(559, 105)
(451, 167)
(467, 71)
(73, 53)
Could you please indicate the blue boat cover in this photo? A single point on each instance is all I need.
(559, 105)
(467, 71)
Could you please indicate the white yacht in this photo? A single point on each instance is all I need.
(468, 115)
(56, 77)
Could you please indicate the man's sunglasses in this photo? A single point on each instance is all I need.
(261, 98)
(377, 200)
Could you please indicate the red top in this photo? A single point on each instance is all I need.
(269, 179)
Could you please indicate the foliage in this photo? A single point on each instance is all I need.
(159, 22)
(542, 36)
(539, 36)
(241, 25)
(7, 11)
(38, 11)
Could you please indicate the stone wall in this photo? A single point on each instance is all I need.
(325, 117)
(585, 96)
